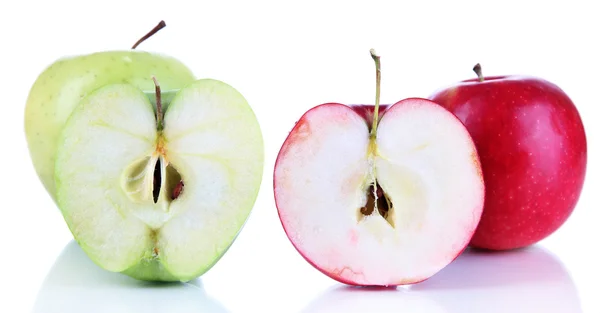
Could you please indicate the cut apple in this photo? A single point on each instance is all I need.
(390, 205)
(159, 199)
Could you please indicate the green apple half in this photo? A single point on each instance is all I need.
(60, 88)
(159, 198)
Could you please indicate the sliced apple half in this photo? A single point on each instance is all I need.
(379, 203)
(159, 198)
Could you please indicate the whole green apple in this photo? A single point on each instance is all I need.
(60, 88)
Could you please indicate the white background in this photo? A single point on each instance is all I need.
(286, 58)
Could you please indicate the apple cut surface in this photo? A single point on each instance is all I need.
(116, 173)
(422, 214)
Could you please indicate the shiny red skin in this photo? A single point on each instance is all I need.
(367, 111)
(533, 151)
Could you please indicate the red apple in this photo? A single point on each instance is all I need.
(376, 200)
(532, 146)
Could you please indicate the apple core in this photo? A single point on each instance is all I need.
(154, 171)
(377, 201)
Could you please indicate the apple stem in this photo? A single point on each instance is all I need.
(376, 58)
(375, 119)
(154, 30)
(159, 114)
(477, 70)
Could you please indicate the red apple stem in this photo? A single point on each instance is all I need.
(154, 30)
(477, 70)
(159, 114)
(376, 58)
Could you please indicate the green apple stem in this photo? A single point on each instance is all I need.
(376, 58)
(159, 113)
(154, 30)
(477, 70)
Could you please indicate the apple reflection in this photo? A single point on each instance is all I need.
(526, 280)
(76, 284)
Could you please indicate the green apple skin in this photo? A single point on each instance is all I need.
(61, 86)
(151, 270)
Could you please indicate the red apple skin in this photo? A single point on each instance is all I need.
(532, 147)
(367, 111)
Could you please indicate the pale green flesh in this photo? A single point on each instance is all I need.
(211, 138)
(60, 87)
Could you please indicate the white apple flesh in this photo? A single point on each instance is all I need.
(124, 214)
(383, 210)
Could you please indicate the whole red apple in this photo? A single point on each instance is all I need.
(533, 152)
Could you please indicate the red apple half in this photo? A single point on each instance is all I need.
(379, 204)
(422, 167)
(532, 146)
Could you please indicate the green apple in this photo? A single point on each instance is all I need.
(159, 194)
(61, 86)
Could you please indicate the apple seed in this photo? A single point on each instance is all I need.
(177, 190)
(377, 199)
